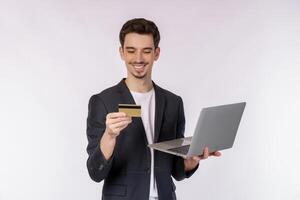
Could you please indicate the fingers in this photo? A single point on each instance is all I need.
(113, 118)
(116, 122)
(216, 153)
(115, 115)
(205, 153)
(121, 124)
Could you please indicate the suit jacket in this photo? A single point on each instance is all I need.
(126, 174)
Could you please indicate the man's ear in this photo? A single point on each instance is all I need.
(121, 52)
(156, 53)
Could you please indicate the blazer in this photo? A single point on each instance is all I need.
(126, 174)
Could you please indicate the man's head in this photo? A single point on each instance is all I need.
(139, 40)
(141, 26)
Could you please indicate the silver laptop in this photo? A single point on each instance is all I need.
(216, 129)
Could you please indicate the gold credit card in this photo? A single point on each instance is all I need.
(131, 110)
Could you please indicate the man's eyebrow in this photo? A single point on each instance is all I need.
(133, 48)
(148, 48)
(130, 48)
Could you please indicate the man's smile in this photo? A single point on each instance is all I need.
(139, 66)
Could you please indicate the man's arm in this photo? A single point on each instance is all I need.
(102, 130)
(115, 123)
(191, 163)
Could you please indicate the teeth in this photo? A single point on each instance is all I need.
(138, 66)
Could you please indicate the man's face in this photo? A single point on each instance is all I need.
(139, 55)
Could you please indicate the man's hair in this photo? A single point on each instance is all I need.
(140, 26)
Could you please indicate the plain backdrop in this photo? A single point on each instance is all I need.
(54, 54)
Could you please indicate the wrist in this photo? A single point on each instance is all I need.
(189, 166)
(109, 136)
(107, 141)
(107, 145)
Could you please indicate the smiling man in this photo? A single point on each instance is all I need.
(117, 148)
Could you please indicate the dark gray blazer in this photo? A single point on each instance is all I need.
(127, 173)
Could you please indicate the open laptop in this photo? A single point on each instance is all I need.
(216, 129)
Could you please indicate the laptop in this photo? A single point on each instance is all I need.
(216, 129)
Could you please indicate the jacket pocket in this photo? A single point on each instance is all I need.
(114, 190)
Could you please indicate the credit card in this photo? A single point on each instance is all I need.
(131, 110)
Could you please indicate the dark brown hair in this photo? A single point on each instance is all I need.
(140, 26)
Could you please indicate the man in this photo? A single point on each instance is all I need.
(117, 147)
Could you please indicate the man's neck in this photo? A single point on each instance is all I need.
(139, 85)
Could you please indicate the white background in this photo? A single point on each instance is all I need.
(54, 54)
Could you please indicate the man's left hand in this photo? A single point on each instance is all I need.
(192, 162)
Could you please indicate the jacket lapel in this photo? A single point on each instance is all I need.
(127, 98)
(159, 110)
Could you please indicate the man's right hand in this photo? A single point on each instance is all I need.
(115, 123)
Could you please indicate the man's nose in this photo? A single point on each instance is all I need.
(139, 57)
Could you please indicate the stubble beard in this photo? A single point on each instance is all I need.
(139, 76)
(136, 74)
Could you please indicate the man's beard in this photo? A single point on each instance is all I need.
(139, 76)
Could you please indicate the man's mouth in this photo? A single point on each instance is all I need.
(139, 66)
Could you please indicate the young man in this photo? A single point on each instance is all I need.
(117, 147)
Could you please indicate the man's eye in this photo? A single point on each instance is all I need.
(147, 51)
(130, 51)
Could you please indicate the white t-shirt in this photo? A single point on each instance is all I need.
(147, 102)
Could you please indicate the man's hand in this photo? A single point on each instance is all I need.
(192, 162)
(115, 123)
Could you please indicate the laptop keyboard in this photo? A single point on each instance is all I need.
(181, 150)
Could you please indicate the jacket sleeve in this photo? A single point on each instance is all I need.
(98, 167)
(178, 171)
